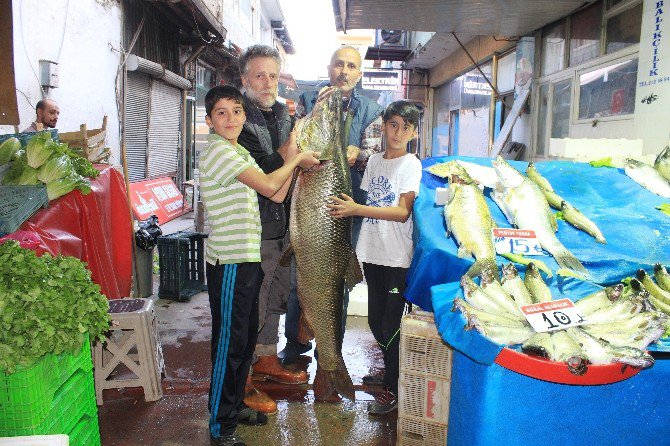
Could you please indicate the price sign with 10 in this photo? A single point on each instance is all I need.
(551, 316)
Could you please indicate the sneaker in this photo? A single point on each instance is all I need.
(384, 403)
(251, 417)
(227, 440)
(373, 380)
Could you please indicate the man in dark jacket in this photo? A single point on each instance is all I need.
(267, 137)
(362, 136)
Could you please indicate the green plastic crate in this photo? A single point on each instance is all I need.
(28, 396)
(25, 137)
(18, 203)
(74, 400)
(86, 432)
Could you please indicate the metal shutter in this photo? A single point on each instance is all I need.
(137, 113)
(164, 129)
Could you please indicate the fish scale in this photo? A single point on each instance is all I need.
(321, 243)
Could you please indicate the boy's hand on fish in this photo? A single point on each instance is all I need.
(308, 159)
(352, 154)
(342, 206)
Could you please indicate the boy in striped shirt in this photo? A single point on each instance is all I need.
(229, 182)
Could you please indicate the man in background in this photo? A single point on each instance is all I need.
(267, 136)
(47, 114)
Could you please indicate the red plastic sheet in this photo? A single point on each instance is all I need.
(95, 228)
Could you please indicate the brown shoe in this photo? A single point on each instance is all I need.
(269, 367)
(257, 399)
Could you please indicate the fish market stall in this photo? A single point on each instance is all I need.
(601, 389)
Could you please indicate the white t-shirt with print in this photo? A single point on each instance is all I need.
(383, 242)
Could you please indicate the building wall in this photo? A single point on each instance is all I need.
(652, 116)
(88, 60)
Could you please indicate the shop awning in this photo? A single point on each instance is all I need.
(195, 17)
(490, 18)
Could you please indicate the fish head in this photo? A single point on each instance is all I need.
(508, 175)
(488, 275)
(532, 270)
(615, 292)
(510, 271)
(630, 163)
(320, 129)
(577, 365)
(468, 284)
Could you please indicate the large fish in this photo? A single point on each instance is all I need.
(322, 244)
(468, 218)
(525, 206)
(662, 163)
(647, 177)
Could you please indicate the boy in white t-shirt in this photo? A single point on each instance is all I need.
(385, 244)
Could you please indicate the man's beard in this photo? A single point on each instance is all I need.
(260, 102)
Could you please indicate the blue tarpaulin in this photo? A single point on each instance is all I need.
(491, 405)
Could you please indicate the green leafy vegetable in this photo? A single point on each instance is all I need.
(46, 305)
(7, 150)
(55, 168)
(39, 149)
(84, 167)
(61, 186)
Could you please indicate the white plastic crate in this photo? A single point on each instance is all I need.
(422, 350)
(36, 440)
(412, 432)
(424, 397)
(424, 387)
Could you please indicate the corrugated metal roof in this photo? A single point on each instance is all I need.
(474, 17)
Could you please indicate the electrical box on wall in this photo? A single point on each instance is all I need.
(48, 74)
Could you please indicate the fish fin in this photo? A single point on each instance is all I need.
(567, 260)
(305, 332)
(323, 386)
(343, 383)
(354, 274)
(481, 265)
(285, 259)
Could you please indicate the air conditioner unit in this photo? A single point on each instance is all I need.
(391, 38)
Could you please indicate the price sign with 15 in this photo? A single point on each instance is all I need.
(516, 241)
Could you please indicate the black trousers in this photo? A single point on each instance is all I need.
(385, 310)
(233, 301)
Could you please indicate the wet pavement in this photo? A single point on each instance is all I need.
(180, 417)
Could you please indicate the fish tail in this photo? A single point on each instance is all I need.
(567, 260)
(328, 381)
(483, 265)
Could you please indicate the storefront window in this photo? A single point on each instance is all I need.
(553, 48)
(585, 34)
(613, 3)
(623, 30)
(560, 109)
(543, 103)
(608, 91)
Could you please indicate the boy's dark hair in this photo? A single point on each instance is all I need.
(405, 109)
(221, 92)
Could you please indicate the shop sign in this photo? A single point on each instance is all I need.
(387, 80)
(516, 241)
(160, 197)
(476, 85)
(552, 316)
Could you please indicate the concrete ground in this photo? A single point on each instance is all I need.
(180, 417)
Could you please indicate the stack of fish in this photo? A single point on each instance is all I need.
(620, 321)
(654, 178)
(659, 291)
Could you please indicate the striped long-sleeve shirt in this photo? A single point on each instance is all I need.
(232, 206)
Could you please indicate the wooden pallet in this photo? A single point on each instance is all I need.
(89, 143)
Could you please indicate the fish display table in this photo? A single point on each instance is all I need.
(493, 405)
(636, 232)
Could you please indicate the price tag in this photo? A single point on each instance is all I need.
(552, 316)
(516, 241)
